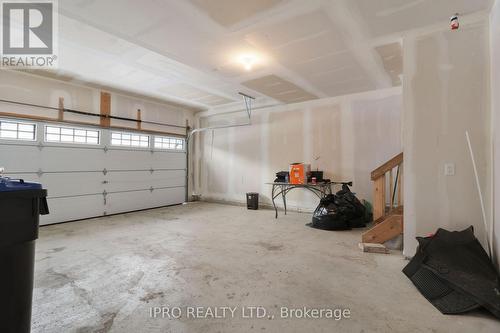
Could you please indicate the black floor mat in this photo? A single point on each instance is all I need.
(452, 270)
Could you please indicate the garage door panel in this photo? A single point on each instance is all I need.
(123, 202)
(68, 184)
(122, 181)
(69, 209)
(167, 196)
(76, 176)
(168, 178)
(75, 159)
(19, 158)
(128, 159)
(168, 160)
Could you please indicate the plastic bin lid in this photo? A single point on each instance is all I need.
(8, 185)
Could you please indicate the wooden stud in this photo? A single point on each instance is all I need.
(105, 109)
(391, 227)
(391, 185)
(379, 197)
(139, 123)
(60, 115)
(400, 185)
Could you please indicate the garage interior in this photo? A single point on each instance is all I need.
(161, 118)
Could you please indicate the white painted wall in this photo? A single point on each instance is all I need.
(495, 108)
(352, 135)
(446, 92)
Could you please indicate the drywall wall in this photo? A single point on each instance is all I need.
(346, 137)
(495, 108)
(28, 88)
(446, 92)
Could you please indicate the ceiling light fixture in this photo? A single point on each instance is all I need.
(248, 61)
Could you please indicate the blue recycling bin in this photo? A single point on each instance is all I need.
(21, 204)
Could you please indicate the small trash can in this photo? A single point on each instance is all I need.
(21, 203)
(253, 200)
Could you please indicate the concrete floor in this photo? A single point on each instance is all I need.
(104, 275)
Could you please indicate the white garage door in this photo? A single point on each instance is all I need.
(91, 171)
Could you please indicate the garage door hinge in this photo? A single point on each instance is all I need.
(105, 149)
(105, 194)
(104, 171)
(40, 146)
(39, 173)
(152, 151)
(151, 189)
(151, 170)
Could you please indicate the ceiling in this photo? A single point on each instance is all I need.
(189, 51)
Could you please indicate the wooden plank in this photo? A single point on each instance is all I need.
(139, 124)
(395, 211)
(391, 164)
(60, 115)
(391, 227)
(379, 198)
(373, 248)
(391, 185)
(400, 185)
(105, 109)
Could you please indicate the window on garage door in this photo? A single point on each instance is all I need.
(129, 139)
(13, 130)
(165, 142)
(66, 134)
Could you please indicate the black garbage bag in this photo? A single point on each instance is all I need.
(329, 215)
(341, 211)
(452, 270)
(353, 208)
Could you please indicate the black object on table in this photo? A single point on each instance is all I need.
(20, 206)
(321, 189)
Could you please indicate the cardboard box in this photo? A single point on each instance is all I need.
(299, 173)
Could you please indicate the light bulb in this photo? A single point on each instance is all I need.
(248, 61)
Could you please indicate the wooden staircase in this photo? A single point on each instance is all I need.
(387, 216)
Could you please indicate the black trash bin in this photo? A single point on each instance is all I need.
(253, 200)
(21, 203)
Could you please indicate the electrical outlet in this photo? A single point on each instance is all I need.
(449, 169)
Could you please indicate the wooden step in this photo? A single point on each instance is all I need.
(395, 211)
(373, 248)
(389, 228)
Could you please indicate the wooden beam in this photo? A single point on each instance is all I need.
(60, 115)
(379, 197)
(139, 124)
(105, 109)
(391, 227)
(391, 164)
(391, 185)
(400, 186)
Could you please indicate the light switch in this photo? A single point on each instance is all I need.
(449, 169)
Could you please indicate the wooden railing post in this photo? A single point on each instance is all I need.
(379, 197)
(387, 225)
(379, 178)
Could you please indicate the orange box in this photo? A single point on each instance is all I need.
(299, 173)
